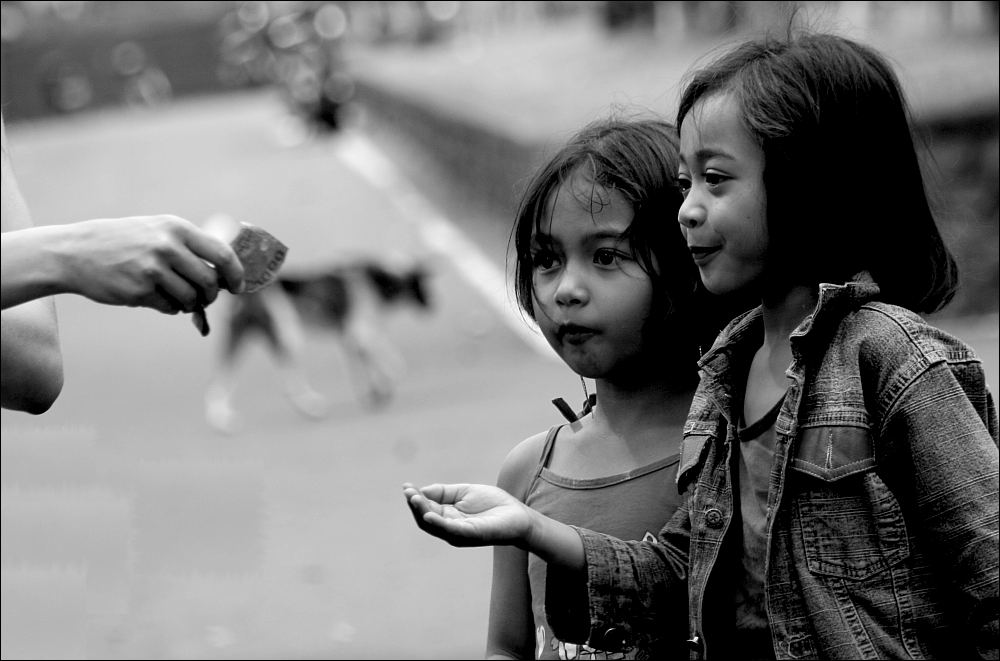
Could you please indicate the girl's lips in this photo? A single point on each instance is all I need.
(575, 334)
(703, 254)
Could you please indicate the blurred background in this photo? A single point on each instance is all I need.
(397, 132)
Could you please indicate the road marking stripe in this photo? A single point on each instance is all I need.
(440, 235)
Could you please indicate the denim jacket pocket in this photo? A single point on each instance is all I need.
(851, 524)
(832, 453)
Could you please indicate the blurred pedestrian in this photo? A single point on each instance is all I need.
(840, 459)
(160, 262)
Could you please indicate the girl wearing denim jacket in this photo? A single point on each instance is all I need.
(839, 466)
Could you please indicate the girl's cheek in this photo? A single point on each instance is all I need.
(543, 293)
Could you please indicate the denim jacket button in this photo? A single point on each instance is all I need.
(713, 518)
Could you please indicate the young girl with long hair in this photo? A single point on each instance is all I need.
(603, 269)
(839, 465)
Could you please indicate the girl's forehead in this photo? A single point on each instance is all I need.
(715, 126)
(582, 205)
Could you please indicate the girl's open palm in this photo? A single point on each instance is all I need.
(469, 514)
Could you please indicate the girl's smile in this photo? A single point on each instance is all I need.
(702, 255)
(592, 296)
(723, 216)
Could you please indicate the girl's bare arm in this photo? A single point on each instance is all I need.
(511, 629)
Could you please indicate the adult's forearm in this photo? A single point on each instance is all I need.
(30, 268)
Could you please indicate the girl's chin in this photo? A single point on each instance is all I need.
(618, 368)
(721, 283)
(584, 365)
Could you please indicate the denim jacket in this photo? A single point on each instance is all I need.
(882, 509)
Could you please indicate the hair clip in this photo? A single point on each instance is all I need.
(564, 408)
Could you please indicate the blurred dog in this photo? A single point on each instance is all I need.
(350, 301)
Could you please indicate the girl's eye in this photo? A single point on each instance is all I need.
(684, 184)
(605, 257)
(714, 178)
(544, 260)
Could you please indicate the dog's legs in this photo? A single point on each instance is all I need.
(375, 364)
(289, 341)
(373, 386)
(304, 398)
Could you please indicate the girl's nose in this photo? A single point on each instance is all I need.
(692, 213)
(572, 289)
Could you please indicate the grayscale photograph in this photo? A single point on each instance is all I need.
(317, 337)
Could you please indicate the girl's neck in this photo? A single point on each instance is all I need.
(784, 310)
(627, 408)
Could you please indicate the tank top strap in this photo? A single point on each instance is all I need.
(543, 461)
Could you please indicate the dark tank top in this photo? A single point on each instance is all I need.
(633, 505)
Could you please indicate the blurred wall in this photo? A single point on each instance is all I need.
(453, 42)
(62, 57)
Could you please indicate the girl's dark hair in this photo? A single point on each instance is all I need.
(843, 182)
(639, 159)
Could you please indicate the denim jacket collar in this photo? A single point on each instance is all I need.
(745, 333)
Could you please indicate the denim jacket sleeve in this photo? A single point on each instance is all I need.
(629, 587)
(939, 436)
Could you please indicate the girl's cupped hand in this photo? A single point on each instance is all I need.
(469, 514)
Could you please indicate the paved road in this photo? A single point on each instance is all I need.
(132, 530)
(290, 538)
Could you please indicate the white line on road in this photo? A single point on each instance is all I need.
(440, 234)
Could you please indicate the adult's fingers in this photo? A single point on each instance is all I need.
(178, 289)
(199, 274)
(160, 302)
(219, 254)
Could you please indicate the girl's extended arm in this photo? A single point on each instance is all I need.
(619, 583)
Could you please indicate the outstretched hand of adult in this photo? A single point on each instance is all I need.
(160, 262)
(469, 514)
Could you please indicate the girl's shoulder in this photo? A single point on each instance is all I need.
(887, 349)
(521, 464)
(890, 333)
